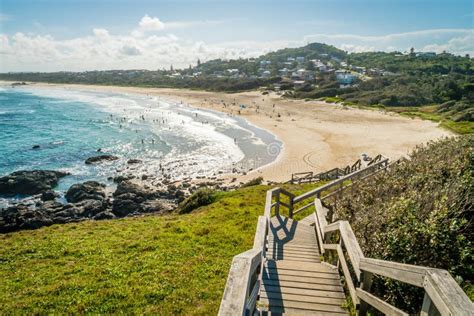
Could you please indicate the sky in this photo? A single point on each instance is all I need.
(73, 35)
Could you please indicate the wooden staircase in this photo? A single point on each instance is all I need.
(283, 272)
(295, 282)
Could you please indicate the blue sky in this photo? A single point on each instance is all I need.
(50, 35)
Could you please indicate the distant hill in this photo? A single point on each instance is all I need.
(439, 87)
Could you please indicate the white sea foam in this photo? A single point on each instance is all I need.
(209, 149)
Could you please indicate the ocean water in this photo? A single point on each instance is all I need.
(170, 138)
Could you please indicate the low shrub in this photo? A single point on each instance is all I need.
(199, 198)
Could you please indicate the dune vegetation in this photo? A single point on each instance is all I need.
(420, 212)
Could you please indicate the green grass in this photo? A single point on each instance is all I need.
(173, 264)
(332, 99)
(428, 113)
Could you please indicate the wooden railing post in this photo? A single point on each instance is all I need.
(291, 206)
(277, 205)
(366, 283)
(428, 308)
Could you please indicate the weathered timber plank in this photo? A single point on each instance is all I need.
(446, 294)
(292, 278)
(379, 304)
(303, 305)
(347, 276)
(298, 285)
(303, 266)
(323, 275)
(278, 311)
(307, 292)
(301, 298)
(238, 282)
(407, 273)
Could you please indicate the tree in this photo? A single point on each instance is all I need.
(171, 68)
(199, 63)
(412, 51)
(310, 65)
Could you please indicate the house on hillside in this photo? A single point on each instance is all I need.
(266, 74)
(426, 54)
(265, 63)
(300, 59)
(302, 74)
(233, 71)
(284, 72)
(345, 77)
(298, 83)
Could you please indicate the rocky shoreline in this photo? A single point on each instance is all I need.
(89, 200)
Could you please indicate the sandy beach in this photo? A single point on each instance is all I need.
(317, 136)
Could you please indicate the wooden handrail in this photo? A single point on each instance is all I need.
(236, 292)
(381, 164)
(442, 294)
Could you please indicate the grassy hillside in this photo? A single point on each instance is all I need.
(154, 264)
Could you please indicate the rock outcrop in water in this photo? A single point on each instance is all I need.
(87, 200)
(100, 158)
(90, 190)
(30, 182)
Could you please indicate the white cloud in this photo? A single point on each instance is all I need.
(102, 33)
(420, 40)
(154, 24)
(102, 50)
(148, 23)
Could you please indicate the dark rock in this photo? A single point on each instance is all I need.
(49, 195)
(155, 206)
(100, 158)
(89, 190)
(36, 222)
(90, 208)
(124, 207)
(49, 207)
(144, 177)
(133, 161)
(130, 187)
(30, 182)
(104, 215)
(130, 196)
(121, 178)
(35, 147)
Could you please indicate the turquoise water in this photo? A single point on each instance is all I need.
(71, 125)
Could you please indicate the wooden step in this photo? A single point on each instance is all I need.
(303, 266)
(277, 277)
(297, 291)
(323, 275)
(305, 286)
(293, 251)
(301, 298)
(278, 311)
(291, 246)
(314, 307)
(283, 256)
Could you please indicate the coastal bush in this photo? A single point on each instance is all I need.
(420, 212)
(199, 198)
(253, 182)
